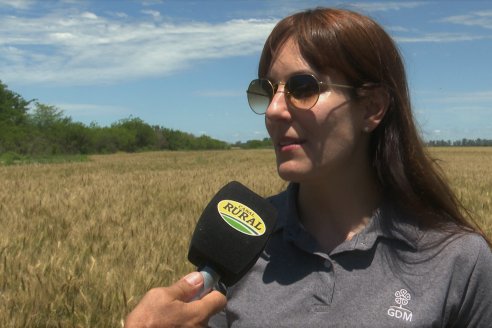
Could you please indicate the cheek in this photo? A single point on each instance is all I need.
(338, 138)
(341, 121)
(269, 127)
(337, 135)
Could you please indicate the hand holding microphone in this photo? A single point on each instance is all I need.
(228, 239)
(171, 306)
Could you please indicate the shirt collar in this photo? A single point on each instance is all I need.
(286, 204)
(387, 222)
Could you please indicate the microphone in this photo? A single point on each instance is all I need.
(230, 235)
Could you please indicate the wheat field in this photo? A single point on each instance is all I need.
(80, 243)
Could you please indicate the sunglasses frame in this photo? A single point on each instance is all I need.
(274, 88)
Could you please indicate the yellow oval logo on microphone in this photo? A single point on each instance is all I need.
(241, 217)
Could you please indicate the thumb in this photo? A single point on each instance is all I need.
(187, 287)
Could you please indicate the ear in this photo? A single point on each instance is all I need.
(375, 104)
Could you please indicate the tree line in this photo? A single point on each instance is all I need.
(254, 144)
(29, 127)
(461, 143)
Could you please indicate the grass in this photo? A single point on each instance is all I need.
(81, 242)
(11, 158)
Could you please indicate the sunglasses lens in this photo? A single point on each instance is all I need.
(260, 93)
(303, 91)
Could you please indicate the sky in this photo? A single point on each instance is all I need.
(186, 64)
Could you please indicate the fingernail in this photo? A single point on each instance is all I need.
(194, 278)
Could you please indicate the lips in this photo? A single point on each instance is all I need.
(286, 144)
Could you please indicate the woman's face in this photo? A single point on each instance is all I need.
(323, 142)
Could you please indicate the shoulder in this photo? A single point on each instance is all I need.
(448, 237)
(470, 245)
(462, 244)
(453, 265)
(469, 254)
(472, 266)
(472, 249)
(464, 258)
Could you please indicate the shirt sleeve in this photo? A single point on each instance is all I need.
(476, 306)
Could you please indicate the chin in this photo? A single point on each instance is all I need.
(292, 172)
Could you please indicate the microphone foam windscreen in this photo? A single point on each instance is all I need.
(232, 232)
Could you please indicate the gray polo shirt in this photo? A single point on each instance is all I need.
(380, 278)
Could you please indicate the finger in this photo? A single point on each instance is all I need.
(211, 303)
(186, 288)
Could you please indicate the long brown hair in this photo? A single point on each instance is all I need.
(357, 47)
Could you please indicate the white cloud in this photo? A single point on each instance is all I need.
(120, 15)
(441, 37)
(386, 6)
(398, 29)
(479, 18)
(84, 48)
(154, 13)
(62, 36)
(463, 98)
(88, 15)
(151, 2)
(84, 111)
(17, 4)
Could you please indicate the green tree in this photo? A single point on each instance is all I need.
(14, 133)
(46, 130)
(13, 107)
(255, 144)
(46, 116)
(144, 135)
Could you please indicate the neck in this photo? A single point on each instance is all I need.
(336, 211)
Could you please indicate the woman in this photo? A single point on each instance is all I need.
(369, 233)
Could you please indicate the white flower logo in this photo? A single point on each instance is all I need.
(402, 297)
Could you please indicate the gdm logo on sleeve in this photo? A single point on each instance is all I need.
(241, 217)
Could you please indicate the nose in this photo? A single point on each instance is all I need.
(278, 108)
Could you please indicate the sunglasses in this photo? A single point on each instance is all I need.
(301, 92)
